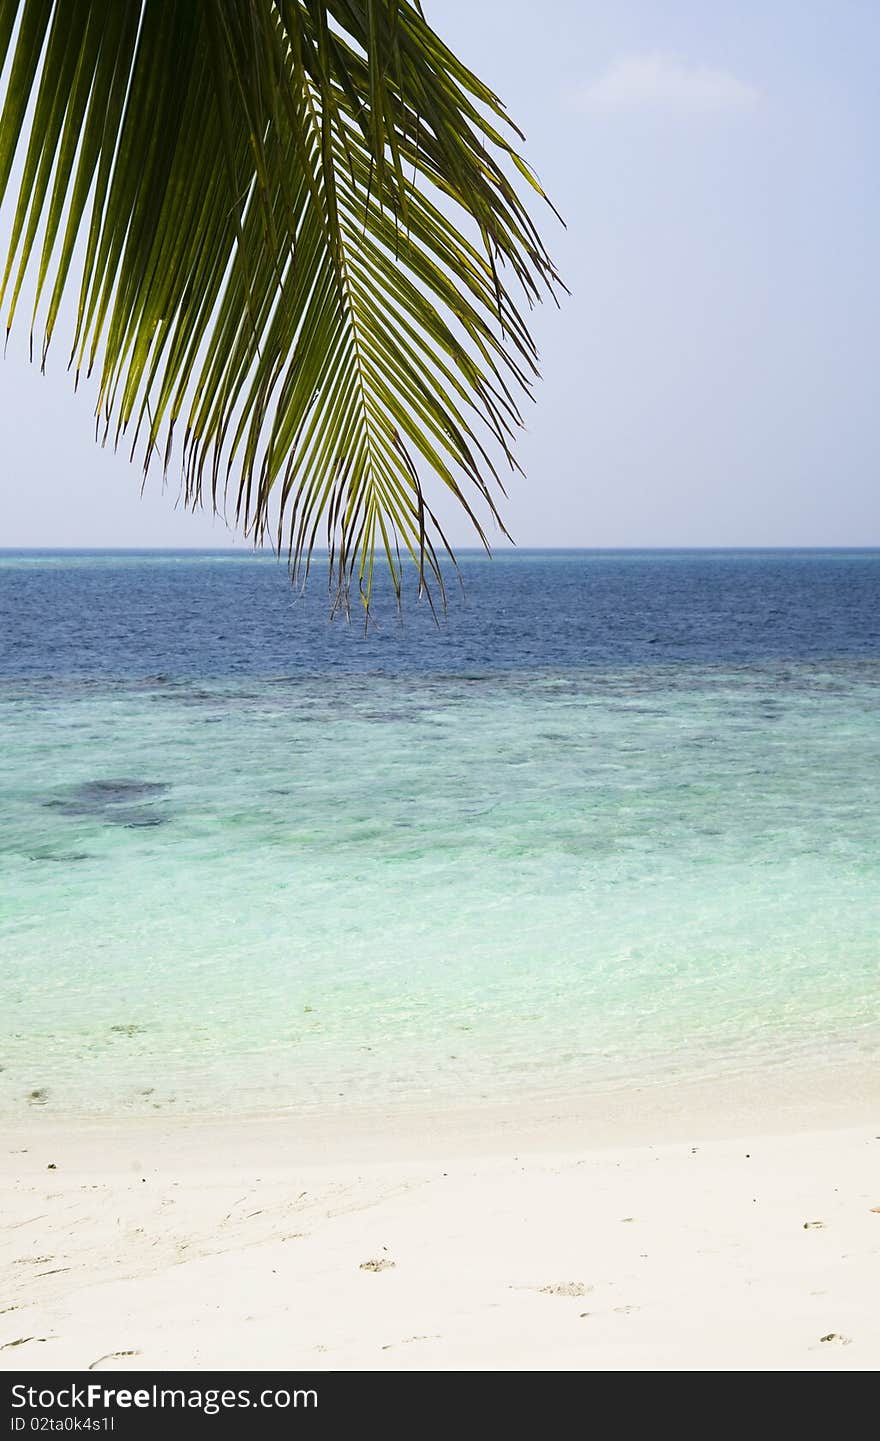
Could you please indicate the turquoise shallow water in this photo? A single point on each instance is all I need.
(331, 887)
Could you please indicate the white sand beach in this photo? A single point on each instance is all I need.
(725, 1244)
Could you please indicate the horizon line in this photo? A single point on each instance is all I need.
(491, 554)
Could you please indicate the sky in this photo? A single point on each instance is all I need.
(713, 378)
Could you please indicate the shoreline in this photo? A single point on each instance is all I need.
(784, 1100)
(542, 1241)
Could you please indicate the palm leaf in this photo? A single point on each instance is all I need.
(300, 235)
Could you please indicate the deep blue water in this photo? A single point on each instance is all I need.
(231, 613)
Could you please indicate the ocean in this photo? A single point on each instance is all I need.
(612, 822)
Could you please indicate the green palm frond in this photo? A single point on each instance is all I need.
(299, 231)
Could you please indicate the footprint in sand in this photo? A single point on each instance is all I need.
(111, 1356)
(409, 1340)
(564, 1288)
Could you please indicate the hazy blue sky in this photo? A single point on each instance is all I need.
(713, 379)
